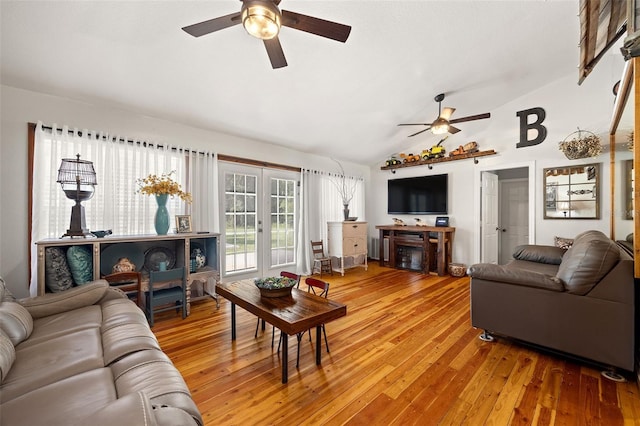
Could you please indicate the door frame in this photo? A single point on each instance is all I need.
(264, 174)
(477, 196)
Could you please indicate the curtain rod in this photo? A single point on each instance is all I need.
(129, 141)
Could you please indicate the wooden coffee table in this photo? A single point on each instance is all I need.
(291, 314)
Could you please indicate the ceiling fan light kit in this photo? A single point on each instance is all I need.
(261, 19)
(440, 126)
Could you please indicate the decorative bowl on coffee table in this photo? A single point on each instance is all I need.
(275, 286)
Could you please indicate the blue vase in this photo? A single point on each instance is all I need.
(162, 215)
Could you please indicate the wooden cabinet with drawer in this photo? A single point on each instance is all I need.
(348, 240)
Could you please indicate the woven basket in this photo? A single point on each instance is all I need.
(457, 269)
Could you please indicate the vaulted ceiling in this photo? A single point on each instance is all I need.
(333, 99)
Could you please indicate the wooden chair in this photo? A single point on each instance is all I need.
(292, 276)
(167, 291)
(319, 288)
(128, 282)
(321, 263)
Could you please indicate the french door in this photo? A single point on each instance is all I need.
(259, 214)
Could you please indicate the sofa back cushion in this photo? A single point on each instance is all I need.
(15, 321)
(589, 259)
(7, 355)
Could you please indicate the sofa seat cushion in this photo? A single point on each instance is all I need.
(589, 259)
(52, 360)
(64, 323)
(62, 401)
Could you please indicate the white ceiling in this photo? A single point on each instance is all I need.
(334, 99)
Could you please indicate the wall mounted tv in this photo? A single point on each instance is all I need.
(418, 195)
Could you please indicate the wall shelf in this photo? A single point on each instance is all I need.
(473, 155)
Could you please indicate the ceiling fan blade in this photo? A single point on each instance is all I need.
(471, 118)
(317, 26)
(276, 55)
(212, 25)
(453, 130)
(414, 124)
(447, 112)
(417, 133)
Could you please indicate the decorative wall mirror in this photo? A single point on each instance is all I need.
(572, 192)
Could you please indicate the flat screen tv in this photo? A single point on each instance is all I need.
(418, 195)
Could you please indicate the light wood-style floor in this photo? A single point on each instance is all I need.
(404, 354)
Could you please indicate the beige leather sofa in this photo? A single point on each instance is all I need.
(86, 356)
(580, 302)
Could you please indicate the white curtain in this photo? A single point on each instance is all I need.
(115, 205)
(202, 178)
(321, 202)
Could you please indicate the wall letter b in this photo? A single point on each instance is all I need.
(536, 125)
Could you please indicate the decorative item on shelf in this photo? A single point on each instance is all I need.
(102, 234)
(398, 222)
(183, 223)
(630, 141)
(393, 161)
(162, 187)
(199, 257)
(124, 265)
(275, 286)
(457, 269)
(468, 148)
(77, 178)
(579, 146)
(420, 222)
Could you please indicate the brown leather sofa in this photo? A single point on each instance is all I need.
(86, 356)
(580, 302)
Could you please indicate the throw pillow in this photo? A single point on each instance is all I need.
(80, 263)
(15, 321)
(5, 294)
(7, 355)
(563, 243)
(630, 238)
(56, 270)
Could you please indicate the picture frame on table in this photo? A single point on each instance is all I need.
(183, 223)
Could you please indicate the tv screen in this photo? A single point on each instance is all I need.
(418, 195)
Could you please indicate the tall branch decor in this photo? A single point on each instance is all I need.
(346, 188)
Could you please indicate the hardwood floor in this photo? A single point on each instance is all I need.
(404, 354)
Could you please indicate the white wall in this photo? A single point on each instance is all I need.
(20, 107)
(568, 106)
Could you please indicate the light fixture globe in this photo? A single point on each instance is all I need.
(440, 126)
(77, 178)
(261, 19)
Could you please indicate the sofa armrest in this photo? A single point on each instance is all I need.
(491, 272)
(74, 298)
(540, 254)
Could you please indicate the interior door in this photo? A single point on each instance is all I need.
(259, 212)
(514, 216)
(489, 231)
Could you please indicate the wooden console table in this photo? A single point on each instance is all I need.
(141, 250)
(417, 237)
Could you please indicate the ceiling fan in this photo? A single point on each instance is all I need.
(263, 19)
(443, 124)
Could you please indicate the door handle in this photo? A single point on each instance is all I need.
(501, 229)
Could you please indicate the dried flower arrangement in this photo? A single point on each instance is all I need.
(163, 184)
(581, 146)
